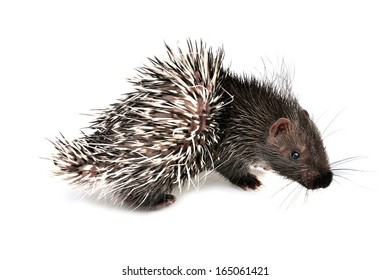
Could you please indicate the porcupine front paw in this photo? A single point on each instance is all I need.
(163, 201)
(248, 181)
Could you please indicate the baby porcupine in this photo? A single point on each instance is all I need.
(188, 114)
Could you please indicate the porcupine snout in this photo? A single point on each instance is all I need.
(317, 180)
(324, 180)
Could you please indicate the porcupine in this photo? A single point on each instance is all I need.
(188, 114)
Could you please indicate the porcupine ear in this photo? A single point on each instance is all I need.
(281, 126)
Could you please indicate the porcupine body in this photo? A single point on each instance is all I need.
(188, 114)
(160, 136)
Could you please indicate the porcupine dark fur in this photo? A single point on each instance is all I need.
(160, 136)
(247, 140)
(188, 114)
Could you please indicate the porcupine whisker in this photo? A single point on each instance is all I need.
(346, 160)
(348, 171)
(306, 198)
(330, 123)
(297, 193)
(353, 182)
(331, 133)
(288, 197)
(339, 171)
(281, 189)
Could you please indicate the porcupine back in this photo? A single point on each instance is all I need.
(160, 135)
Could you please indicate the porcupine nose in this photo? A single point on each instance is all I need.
(325, 180)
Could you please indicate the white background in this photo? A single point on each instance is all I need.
(62, 58)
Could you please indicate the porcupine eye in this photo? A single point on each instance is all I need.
(295, 154)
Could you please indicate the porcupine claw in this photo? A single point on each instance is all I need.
(249, 181)
(164, 200)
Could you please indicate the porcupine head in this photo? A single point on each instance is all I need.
(188, 114)
(266, 127)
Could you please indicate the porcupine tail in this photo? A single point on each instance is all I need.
(77, 161)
